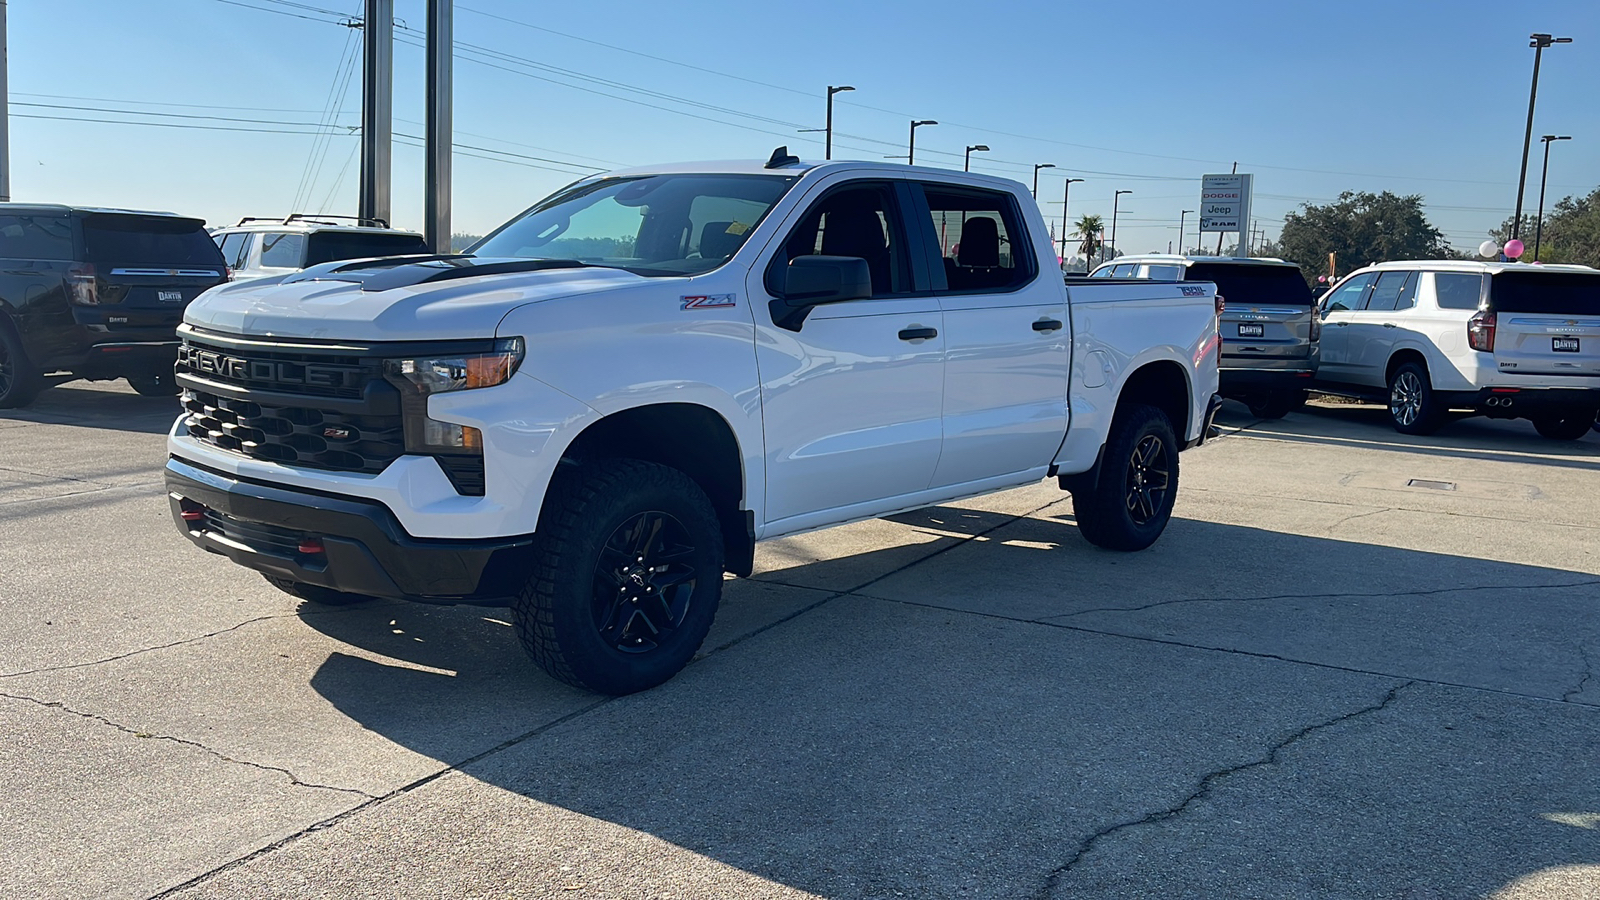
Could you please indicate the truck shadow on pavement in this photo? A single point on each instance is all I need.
(108, 405)
(1019, 714)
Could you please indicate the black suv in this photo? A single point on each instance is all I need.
(97, 293)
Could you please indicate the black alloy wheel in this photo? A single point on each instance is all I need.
(19, 382)
(644, 582)
(1149, 479)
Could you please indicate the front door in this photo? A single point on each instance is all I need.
(1339, 310)
(852, 396)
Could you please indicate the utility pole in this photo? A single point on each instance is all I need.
(1036, 168)
(911, 149)
(377, 108)
(828, 151)
(1538, 42)
(5, 114)
(1538, 231)
(1066, 194)
(1181, 217)
(438, 138)
(1116, 198)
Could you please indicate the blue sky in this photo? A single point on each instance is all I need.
(1412, 96)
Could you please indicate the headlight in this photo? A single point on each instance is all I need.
(421, 376)
(458, 371)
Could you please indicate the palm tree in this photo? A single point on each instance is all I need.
(1089, 228)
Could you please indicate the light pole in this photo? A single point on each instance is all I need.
(1538, 231)
(1181, 217)
(1115, 199)
(1036, 168)
(911, 149)
(966, 166)
(1538, 42)
(828, 152)
(1066, 192)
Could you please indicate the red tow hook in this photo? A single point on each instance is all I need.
(311, 545)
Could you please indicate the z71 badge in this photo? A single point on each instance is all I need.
(709, 301)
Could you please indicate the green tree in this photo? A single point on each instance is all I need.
(1361, 228)
(1571, 232)
(460, 241)
(1088, 229)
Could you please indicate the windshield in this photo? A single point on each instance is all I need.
(1258, 285)
(652, 225)
(149, 241)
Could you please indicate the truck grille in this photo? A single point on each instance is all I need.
(295, 435)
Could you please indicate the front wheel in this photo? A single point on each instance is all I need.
(154, 384)
(1276, 404)
(1565, 426)
(1131, 502)
(1412, 407)
(20, 382)
(626, 578)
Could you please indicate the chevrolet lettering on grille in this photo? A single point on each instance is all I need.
(267, 371)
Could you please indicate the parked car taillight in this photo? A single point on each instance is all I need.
(81, 285)
(1221, 304)
(1480, 331)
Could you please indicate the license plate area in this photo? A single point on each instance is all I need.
(169, 296)
(1564, 344)
(1248, 330)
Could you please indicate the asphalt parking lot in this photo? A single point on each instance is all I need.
(1358, 664)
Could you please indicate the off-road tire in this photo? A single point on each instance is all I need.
(1413, 409)
(154, 384)
(314, 593)
(1125, 510)
(574, 614)
(1566, 426)
(20, 381)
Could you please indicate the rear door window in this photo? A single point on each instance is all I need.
(1164, 273)
(1552, 293)
(1124, 270)
(282, 250)
(1386, 295)
(35, 237)
(1350, 295)
(328, 246)
(981, 242)
(1255, 285)
(1457, 290)
(162, 241)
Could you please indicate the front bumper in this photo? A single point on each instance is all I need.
(364, 548)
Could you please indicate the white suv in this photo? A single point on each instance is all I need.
(1505, 340)
(257, 248)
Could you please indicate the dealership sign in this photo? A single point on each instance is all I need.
(1225, 202)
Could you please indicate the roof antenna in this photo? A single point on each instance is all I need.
(781, 157)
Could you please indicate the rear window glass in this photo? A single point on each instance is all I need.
(148, 241)
(1255, 285)
(327, 246)
(282, 251)
(1557, 293)
(1456, 290)
(35, 237)
(1164, 273)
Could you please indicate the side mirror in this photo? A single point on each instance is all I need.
(810, 281)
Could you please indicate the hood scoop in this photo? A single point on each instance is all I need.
(409, 271)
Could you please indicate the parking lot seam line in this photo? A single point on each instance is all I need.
(373, 801)
(1413, 509)
(187, 640)
(1583, 682)
(1353, 517)
(95, 717)
(15, 471)
(1333, 596)
(93, 490)
(504, 745)
(1207, 783)
(1256, 654)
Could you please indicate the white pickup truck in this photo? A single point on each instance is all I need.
(607, 403)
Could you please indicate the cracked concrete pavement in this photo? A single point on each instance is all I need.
(1325, 681)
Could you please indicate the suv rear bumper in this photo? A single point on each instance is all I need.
(115, 359)
(365, 550)
(1235, 382)
(1522, 403)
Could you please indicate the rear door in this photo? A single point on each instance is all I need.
(35, 256)
(141, 271)
(1547, 323)
(1374, 330)
(1006, 335)
(1267, 317)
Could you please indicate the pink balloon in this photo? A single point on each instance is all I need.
(1513, 249)
(1322, 279)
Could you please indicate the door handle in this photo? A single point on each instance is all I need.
(1047, 325)
(918, 334)
(1390, 325)
(1341, 324)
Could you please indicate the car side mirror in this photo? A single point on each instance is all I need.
(810, 281)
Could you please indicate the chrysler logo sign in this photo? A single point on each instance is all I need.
(266, 371)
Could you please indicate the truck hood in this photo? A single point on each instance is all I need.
(403, 299)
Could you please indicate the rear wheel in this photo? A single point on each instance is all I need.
(1131, 502)
(1565, 426)
(1275, 405)
(20, 382)
(1412, 407)
(314, 593)
(154, 384)
(626, 579)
